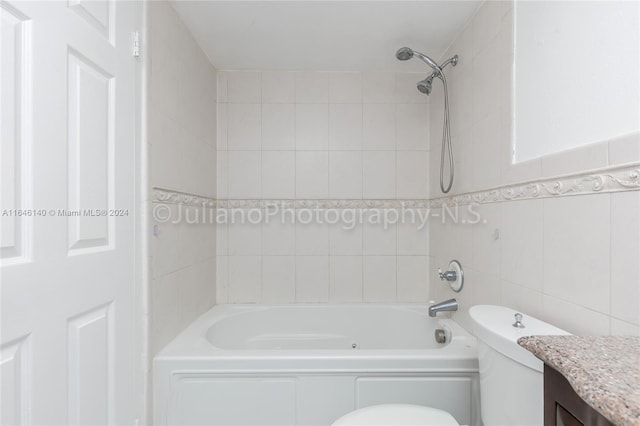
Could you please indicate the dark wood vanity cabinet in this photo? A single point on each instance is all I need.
(563, 407)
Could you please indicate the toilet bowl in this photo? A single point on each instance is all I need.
(504, 366)
(397, 414)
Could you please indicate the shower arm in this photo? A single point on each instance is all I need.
(453, 60)
(438, 73)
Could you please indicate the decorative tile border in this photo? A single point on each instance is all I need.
(617, 179)
(623, 178)
(161, 195)
(323, 204)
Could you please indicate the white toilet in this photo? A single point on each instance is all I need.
(510, 377)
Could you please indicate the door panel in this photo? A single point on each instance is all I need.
(14, 370)
(90, 117)
(90, 390)
(14, 150)
(98, 14)
(68, 153)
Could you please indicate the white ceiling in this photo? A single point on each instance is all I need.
(323, 35)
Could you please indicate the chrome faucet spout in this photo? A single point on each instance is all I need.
(448, 305)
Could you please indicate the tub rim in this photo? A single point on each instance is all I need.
(192, 343)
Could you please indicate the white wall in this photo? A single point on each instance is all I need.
(182, 131)
(576, 74)
(315, 136)
(569, 260)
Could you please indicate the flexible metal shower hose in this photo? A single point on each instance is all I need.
(446, 141)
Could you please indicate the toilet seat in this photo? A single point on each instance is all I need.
(397, 415)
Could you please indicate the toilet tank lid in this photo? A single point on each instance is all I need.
(493, 325)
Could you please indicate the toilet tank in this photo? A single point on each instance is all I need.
(511, 388)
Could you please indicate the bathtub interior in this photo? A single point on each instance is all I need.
(333, 327)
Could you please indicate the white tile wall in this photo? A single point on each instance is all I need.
(244, 239)
(244, 279)
(312, 239)
(278, 87)
(588, 157)
(278, 174)
(522, 243)
(312, 87)
(379, 174)
(312, 127)
(486, 148)
(378, 87)
(278, 126)
(522, 298)
(345, 175)
(625, 149)
(244, 87)
(622, 328)
(625, 253)
(344, 128)
(413, 239)
(312, 174)
(278, 279)
(380, 274)
(243, 127)
(312, 279)
(182, 126)
(412, 174)
(572, 261)
(413, 278)
(345, 88)
(222, 167)
(377, 240)
(316, 135)
(379, 126)
(412, 127)
(345, 263)
(244, 173)
(345, 241)
(222, 279)
(278, 239)
(346, 279)
(576, 250)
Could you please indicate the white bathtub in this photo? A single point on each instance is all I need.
(310, 364)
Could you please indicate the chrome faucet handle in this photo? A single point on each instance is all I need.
(518, 323)
(448, 275)
(454, 275)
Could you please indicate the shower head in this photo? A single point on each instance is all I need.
(406, 53)
(424, 86)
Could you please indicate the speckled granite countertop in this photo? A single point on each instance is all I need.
(603, 370)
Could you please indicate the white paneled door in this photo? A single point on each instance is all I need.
(68, 163)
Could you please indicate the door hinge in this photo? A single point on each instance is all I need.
(136, 44)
